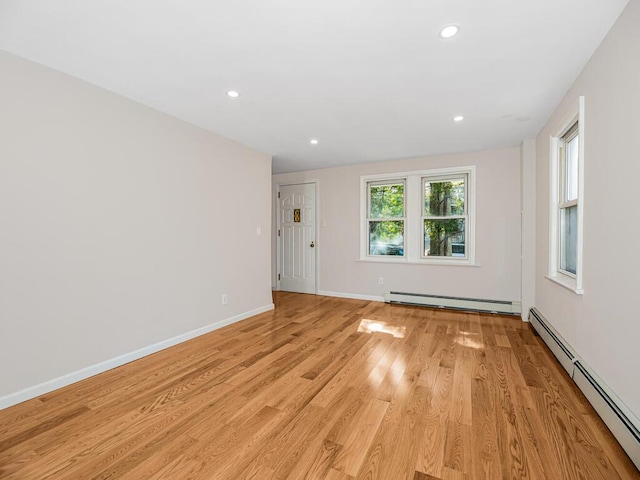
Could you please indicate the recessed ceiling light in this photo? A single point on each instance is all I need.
(313, 141)
(458, 118)
(233, 94)
(449, 31)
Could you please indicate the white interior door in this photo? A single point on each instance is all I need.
(297, 267)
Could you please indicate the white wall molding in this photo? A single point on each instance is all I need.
(84, 373)
(354, 296)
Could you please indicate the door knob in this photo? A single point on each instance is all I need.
(312, 244)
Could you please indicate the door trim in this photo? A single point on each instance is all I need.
(316, 184)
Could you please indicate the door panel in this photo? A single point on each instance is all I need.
(298, 238)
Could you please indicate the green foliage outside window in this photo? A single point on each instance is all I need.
(386, 201)
(386, 237)
(444, 237)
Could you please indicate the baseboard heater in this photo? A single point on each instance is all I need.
(624, 425)
(457, 303)
(560, 348)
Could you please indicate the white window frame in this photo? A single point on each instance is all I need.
(403, 219)
(465, 216)
(414, 213)
(557, 202)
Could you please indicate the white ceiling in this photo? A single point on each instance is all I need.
(370, 79)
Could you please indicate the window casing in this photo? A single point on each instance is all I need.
(568, 201)
(566, 197)
(436, 221)
(385, 217)
(444, 216)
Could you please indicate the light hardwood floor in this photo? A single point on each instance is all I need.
(300, 393)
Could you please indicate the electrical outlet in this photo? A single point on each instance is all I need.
(380, 281)
(224, 299)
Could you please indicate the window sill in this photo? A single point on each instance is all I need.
(566, 282)
(405, 261)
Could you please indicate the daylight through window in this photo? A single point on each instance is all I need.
(386, 218)
(444, 217)
(566, 203)
(418, 217)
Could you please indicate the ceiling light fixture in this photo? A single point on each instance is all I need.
(313, 141)
(233, 94)
(458, 118)
(449, 31)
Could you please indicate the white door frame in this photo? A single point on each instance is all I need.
(316, 184)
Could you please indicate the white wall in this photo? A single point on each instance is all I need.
(497, 231)
(119, 226)
(602, 325)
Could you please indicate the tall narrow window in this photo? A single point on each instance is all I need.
(444, 216)
(568, 201)
(386, 217)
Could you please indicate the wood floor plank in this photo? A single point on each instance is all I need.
(510, 445)
(431, 458)
(355, 447)
(457, 449)
(486, 462)
(303, 392)
(460, 410)
(337, 475)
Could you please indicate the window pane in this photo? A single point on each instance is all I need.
(386, 238)
(572, 169)
(386, 201)
(569, 239)
(444, 238)
(444, 198)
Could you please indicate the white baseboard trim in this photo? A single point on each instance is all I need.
(355, 296)
(56, 383)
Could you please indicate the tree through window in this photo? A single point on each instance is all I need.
(386, 218)
(423, 217)
(444, 217)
